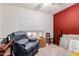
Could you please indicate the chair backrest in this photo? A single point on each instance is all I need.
(18, 35)
(48, 35)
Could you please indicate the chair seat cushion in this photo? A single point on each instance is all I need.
(23, 41)
(30, 46)
(32, 39)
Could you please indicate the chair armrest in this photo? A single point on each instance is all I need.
(19, 45)
(5, 46)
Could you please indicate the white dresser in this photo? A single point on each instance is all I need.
(73, 45)
(70, 42)
(64, 41)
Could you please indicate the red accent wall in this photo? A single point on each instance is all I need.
(67, 20)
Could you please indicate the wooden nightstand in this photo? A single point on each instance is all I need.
(42, 42)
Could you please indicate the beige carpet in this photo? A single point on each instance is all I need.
(53, 50)
(7, 53)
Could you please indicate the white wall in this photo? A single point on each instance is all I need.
(17, 18)
(8, 20)
(0, 20)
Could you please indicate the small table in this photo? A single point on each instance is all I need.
(4, 47)
(42, 42)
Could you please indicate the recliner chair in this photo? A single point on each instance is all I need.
(23, 45)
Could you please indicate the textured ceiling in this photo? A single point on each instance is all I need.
(50, 8)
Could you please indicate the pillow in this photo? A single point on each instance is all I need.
(70, 35)
(64, 35)
(23, 41)
(32, 38)
(74, 35)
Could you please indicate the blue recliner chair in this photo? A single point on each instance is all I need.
(24, 45)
